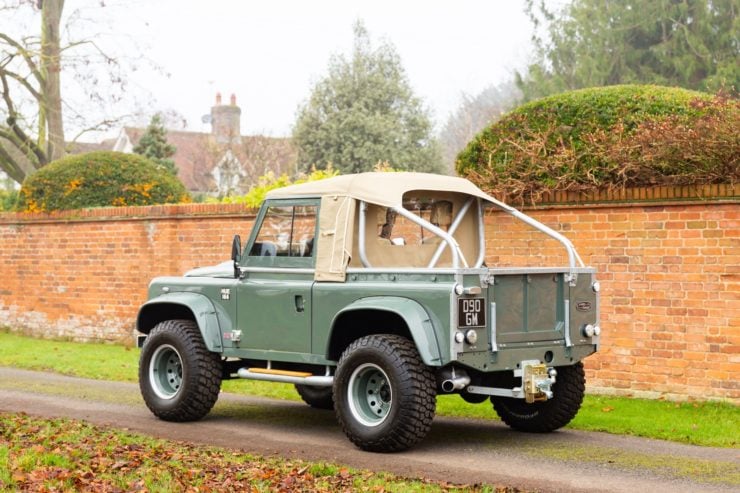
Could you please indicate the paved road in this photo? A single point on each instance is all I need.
(456, 450)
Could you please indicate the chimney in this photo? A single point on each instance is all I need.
(226, 121)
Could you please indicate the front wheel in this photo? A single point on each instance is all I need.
(549, 415)
(384, 395)
(179, 377)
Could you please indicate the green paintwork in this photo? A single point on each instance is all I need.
(529, 307)
(272, 328)
(275, 311)
(416, 318)
(283, 315)
(199, 304)
(425, 300)
(582, 292)
(508, 358)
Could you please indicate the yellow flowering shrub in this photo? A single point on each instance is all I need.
(99, 179)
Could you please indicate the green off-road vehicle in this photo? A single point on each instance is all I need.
(373, 294)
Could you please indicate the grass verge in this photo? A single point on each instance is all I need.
(67, 455)
(700, 423)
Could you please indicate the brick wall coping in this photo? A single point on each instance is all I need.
(141, 212)
(628, 197)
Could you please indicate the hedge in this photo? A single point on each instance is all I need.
(618, 136)
(99, 179)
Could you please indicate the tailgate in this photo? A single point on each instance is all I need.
(529, 306)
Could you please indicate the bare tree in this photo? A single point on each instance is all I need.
(238, 166)
(473, 115)
(50, 81)
(260, 155)
(30, 70)
(33, 110)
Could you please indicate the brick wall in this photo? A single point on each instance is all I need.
(670, 275)
(84, 274)
(670, 297)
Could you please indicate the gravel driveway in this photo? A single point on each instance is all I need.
(457, 450)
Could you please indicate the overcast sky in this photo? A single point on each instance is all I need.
(269, 53)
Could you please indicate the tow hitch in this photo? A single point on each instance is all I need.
(537, 382)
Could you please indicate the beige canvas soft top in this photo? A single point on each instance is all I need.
(339, 202)
(386, 189)
(339, 197)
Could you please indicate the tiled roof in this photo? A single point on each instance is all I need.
(198, 153)
(80, 147)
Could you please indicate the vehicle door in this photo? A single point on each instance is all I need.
(274, 294)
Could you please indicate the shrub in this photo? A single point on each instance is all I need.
(607, 137)
(99, 179)
(7, 199)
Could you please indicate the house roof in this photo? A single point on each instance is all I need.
(386, 189)
(221, 161)
(82, 147)
(197, 154)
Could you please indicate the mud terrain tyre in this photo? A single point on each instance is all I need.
(384, 395)
(318, 397)
(546, 416)
(179, 377)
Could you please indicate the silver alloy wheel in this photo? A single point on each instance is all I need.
(165, 372)
(370, 394)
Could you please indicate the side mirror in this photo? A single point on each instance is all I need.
(236, 253)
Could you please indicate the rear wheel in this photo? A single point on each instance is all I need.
(318, 397)
(179, 377)
(385, 396)
(549, 415)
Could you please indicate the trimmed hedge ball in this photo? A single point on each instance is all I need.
(99, 179)
(618, 136)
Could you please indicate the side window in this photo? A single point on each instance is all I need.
(399, 231)
(286, 231)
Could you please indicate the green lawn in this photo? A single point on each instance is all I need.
(700, 423)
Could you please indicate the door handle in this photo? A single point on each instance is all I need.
(299, 304)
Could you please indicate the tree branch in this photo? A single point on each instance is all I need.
(18, 144)
(24, 53)
(22, 81)
(105, 124)
(685, 31)
(10, 164)
(13, 124)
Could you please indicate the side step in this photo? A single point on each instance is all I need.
(285, 376)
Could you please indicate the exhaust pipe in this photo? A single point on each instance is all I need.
(456, 382)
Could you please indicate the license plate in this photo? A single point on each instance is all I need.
(471, 312)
